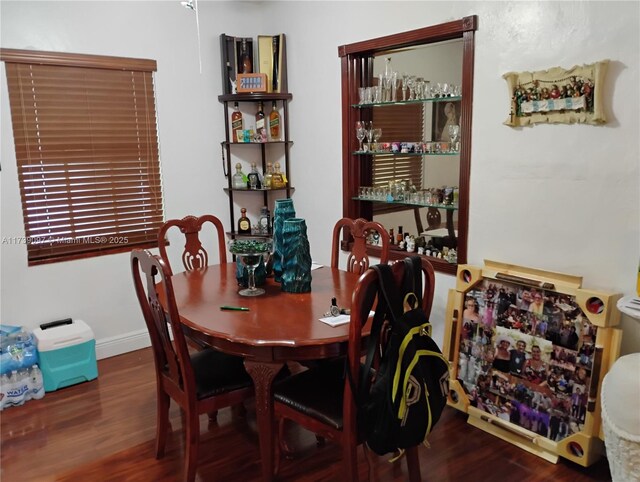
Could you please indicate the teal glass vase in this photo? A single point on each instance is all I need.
(284, 210)
(296, 261)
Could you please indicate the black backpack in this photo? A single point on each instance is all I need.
(410, 387)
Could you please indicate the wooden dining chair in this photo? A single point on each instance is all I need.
(194, 256)
(322, 401)
(202, 382)
(359, 229)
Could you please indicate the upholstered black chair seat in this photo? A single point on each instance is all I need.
(316, 392)
(216, 372)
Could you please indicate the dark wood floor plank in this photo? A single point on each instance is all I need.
(104, 430)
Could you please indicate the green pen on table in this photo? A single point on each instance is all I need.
(234, 308)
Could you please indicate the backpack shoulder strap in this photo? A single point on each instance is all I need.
(388, 298)
(412, 279)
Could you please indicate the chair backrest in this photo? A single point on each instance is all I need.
(362, 302)
(359, 229)
(152, 282)
(194, 255)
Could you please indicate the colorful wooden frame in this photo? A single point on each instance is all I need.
(528, 351)
(557, 95)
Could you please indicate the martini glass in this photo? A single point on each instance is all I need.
(250, 252)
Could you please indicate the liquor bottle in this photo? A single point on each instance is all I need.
(244, 225)
(392, 238)
(274, 122)
(261, 126)
(239, 180)
(278, 180)
(399, 236)
(265, 221)
(268, 176)
(254, 177)
(237, 124)
(245, 58)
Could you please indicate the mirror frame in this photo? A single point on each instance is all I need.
(357, 69)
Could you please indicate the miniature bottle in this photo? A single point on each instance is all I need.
(399, 236)
(268, 176)
(237, 124)
(278, 180)
(254, 177)
(265, 221)
(261, 126)
(274, 122)
(245, 58)
(244, 225)
(392, 238)
(239, 180)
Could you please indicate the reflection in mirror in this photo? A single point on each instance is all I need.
(421, 72)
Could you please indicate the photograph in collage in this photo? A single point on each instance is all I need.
(526, 356)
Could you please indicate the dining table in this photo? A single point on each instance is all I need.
(271, 329)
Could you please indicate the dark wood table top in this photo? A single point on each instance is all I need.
(280, 326)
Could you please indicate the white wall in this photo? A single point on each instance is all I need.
(557, 197)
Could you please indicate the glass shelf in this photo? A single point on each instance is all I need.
(448, 207)
(374, 153)
(406, 102)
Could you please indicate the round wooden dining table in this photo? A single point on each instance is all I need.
(278, 327)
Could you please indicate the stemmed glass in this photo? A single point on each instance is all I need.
(377, 134)
(251, 251)
(454, 133)
(369, 133)
(360, 132)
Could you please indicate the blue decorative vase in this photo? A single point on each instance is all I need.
(284, 210)
(296, 261)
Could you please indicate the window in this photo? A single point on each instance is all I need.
(87, 153)
(398, 123)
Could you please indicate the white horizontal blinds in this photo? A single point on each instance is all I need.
(401, 123)
(87, 152)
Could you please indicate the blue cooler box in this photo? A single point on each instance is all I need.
(67, 351)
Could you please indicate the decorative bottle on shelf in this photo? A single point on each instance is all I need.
(265, 221)
(237, 124)
(399, 236)
(239, 180)
(274, 122)
(268, 176)
(244, 225)
(261, 123)
(245, 58)
(254, 177)
(278, 180)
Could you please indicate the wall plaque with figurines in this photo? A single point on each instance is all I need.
(528, 351)
(557, 95)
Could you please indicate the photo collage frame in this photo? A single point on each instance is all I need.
(526, 356)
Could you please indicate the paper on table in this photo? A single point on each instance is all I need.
(339, 320)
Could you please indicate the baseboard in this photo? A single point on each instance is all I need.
(117, 345)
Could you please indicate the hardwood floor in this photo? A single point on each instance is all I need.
(104, 430)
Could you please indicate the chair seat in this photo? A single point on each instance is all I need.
(317, 392)
(216, 372)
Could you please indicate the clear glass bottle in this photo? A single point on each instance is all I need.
(239, 180)
(264, 222)
(268, 176)
(254, 177)
(244, 225)
(261, 123)
(278, 181)
(237, 123)
(274, 122)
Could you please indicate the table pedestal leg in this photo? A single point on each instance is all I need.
(262, 375)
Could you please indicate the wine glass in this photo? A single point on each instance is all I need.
(369, 133)
(251, 251)
(360, 133)
(377, 134)
(454, 133)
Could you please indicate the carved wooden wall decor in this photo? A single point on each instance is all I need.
(557, 95)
